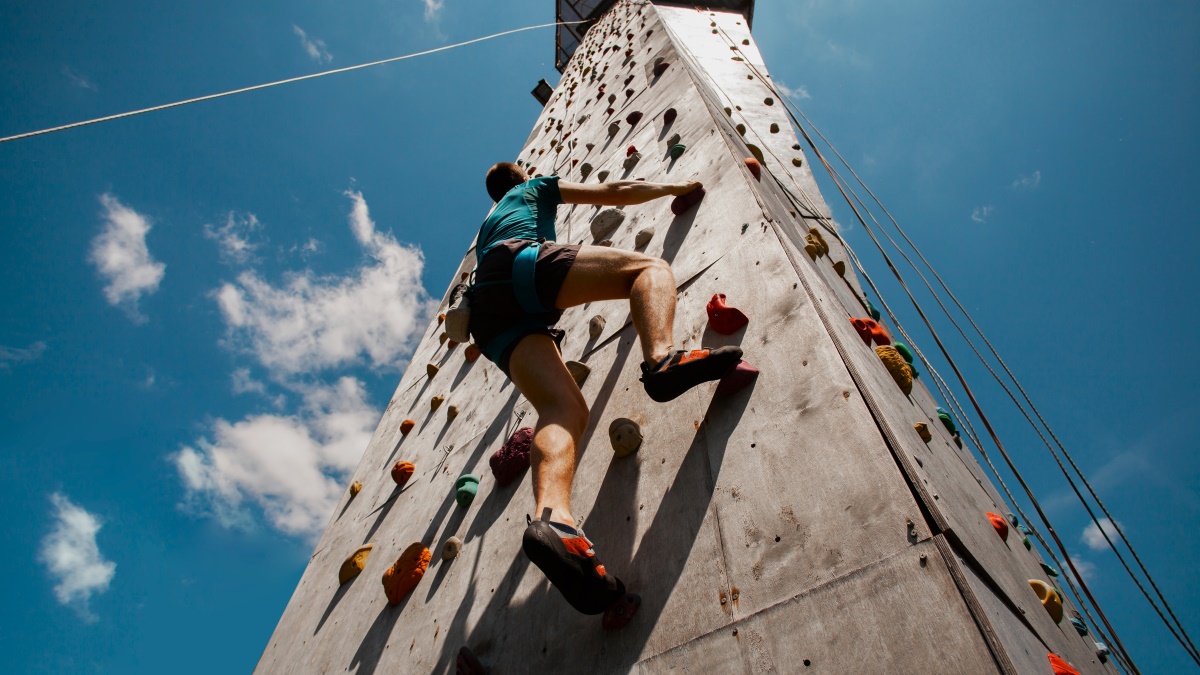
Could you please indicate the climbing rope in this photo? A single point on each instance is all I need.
(289, 80)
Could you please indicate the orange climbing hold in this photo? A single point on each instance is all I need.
(897, 366)
(355, 488)
(999, 523)
(406, 572)
(869, 329)
(923, 431)
(402, 471)
(724, 319)
(1060, 666)
(754, 166)
(407, 426)
(472, 353)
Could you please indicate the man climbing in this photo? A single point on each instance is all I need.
(522, 283)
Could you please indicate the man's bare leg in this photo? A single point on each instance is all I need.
(603, 273)
(538, 371)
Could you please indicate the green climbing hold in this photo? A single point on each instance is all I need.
(1028, 544)
(1049, 570)
(947, 420)
(871, 308)
(677, 150)
(465, 488)
(904, 351)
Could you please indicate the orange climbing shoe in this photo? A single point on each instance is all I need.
(568, 560)
(683, 370)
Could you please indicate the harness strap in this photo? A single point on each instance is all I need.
(524, 265)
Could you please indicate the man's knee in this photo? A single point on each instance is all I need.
(656, 268)
(574, 414)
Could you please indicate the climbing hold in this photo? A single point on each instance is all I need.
(904, 351)
(1102, 652)
(675, 138)
(1050, 598)
(471, 353)
(585, 170)
(643, 237)
(796, 161)
(589, 146)
(612, 98)
(511, 460)
(754, 166)
(724, 319)
(729, 112)
(947, 420)
(625, 436)
(746, 41)
(451, 548)
(741, 129)
(669, 116)
(1024, 529)
(451, 344)
(441, 318)
(452, 412)
(923, 431)
(606, 221)
(614, 128)
(631, 151)
(999, 523)
(465, 488)
(682, 203)
(661, 68)
(840, 268)
(596, 326)
(1060, 666)
(579, 372)
(819, 240)
(631, 161)
(402, 471)
(871, 309)
(1080, 626)
(435, 402)
(1049, 570)
(1028, 544)
(677, 150)
(355, 488)
(620, 613)
(633, 118)
(406, 572)
(574, 162)
(895, 364)
(869, 330)
(742, 375)
(628, 92)
(406, 426)
(352, 566)
(603, 175)
(769, 101)
(432, 368)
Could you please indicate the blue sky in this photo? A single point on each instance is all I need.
(205, 310)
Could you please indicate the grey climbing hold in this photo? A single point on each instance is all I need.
(451, 548)
(585, 169)
(579, 372)
(603, 175)
(606, 221)
(643, 237)
(631, 161)
(596, 326)
(625, 436)
(675, 138)
(614, 128)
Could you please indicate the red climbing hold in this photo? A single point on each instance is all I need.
(512, 459)
(406, 572)
(402, 472)
(738, 379)
(724, 319)
(621, 612)
(472, 353)
(1060, 666)
(670, 115)
(684, 202)
(574, 162)
(754, 166)
(999, 523)
(869, 329)
(407, 426)
(630, 151)
(610, 111)
(634, 117)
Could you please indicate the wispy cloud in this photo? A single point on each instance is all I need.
(312, 323)
(1087, 569)
(121, 257)
(234, 238)
(11, 355)
(314, 47)
(433, 9)
(293, 468)
(73, 557)
(981, 213)
(799, 93)
(1028, 182)
(1095, 540)
(79, 80)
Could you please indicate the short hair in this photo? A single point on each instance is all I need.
(503, 177)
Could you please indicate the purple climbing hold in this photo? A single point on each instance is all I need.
(512, 459)
(684, 202)
(738, 379)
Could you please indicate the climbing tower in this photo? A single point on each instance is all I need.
(823, 518)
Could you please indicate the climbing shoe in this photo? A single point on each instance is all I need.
(567, 559)
(683, 370)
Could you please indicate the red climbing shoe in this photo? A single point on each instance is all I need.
(683, 370)
(568, 560)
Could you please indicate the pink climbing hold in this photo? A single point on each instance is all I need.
(682, 203)
(630, 151)
(634, 117)
(738, 379)
(754, 166)
(512, 459)
(724, 319)
(670, 115)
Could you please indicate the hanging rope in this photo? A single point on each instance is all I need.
(289, 80)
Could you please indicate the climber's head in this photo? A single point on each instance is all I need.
(503, 177)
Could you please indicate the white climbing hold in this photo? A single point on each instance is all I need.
(643, 237)
(596, 326)
(606, 221)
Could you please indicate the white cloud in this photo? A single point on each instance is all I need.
(244, 383)
(293, 468)
(311, 323)
(1029, 182)
(1087, 569)
(312, 46)
(11, 355)
(121, 257)
(1095, 540)
(234, 238)
(73, 557)
(798, 94)
(981, 213)
(433, 9)
(79, 80)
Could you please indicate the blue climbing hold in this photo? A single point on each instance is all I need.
(465, 488)
(871, 308)
(1080, 626)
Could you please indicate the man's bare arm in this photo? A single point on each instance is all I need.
(622, 192)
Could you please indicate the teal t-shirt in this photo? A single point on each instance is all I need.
(526, 212)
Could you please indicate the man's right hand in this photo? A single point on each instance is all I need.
(678, 189)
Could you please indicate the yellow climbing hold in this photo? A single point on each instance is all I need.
(897, 366)
(579, 372)
(352, 566)
(432, 368)
(1050, 598)
(923, 431)
(355, 488)
(820, 241)
(437, 401)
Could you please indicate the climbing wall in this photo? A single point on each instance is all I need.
(801, 523)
